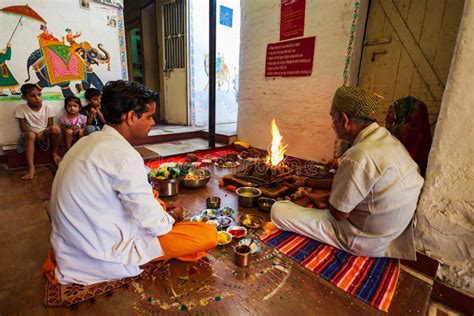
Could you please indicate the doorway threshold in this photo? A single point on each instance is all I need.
(227, 129)
(153, 151)
(225, 134)
(172, 129)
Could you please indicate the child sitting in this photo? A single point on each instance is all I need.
(95, 119)
(36, 125)
(72, 123)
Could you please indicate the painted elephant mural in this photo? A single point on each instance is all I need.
(56, 64)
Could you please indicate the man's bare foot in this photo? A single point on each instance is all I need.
(319, 197)
(29, 175)
(57, 159)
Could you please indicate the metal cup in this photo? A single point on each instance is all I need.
(213, 202)
(242, 255)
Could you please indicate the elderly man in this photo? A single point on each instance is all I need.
(374, 193)
(105, 219)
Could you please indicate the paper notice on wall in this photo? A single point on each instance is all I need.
(292, 19)
(291, 58)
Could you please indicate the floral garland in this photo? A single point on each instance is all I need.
(351, 41)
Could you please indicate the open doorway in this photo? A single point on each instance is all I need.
(142, 46)
(135, 64)
(168, 47)
(227, 64)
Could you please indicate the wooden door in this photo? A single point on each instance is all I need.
(173, 30)
(408, 49)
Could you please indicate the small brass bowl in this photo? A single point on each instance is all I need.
(252, 221)
(213, 202)
(265, 204)
(248, 196)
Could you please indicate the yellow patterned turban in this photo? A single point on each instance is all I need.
(357, 102)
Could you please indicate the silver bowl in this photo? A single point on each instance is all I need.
(248, 196)
(166, 187)
(204, 175)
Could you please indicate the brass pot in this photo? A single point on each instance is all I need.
(248, 196)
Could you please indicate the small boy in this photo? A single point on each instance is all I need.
(95, 119)
(37, 128)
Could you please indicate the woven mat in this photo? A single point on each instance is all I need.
(71, 294)
(372, 280)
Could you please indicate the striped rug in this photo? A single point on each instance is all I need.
(373, 280)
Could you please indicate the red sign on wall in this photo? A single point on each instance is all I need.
(291, 58)
(292, 19)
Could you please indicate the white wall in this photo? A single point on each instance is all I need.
(445, 228)
(300, 105)
(59, 15)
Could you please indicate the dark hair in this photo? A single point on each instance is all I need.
(120, 97)
(72, 98)
(27, 88)
(90, 93)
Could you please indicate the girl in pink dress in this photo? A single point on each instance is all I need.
(72, 123)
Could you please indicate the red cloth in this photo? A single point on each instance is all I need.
(412, 127)
(216, 152)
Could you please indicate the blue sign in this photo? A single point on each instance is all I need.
(226, 16)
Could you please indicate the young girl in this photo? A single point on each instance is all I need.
(72, 123)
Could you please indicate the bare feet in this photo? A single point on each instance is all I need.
(57, 159)
(319, 197)
(29, 175)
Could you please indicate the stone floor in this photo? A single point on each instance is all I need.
(24, 241)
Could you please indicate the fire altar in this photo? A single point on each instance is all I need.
(268, 174)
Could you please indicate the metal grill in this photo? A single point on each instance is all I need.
(174, 34)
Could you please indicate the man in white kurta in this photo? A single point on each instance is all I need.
(373, 197)
(105, 219)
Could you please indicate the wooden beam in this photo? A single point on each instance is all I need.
(212, 72)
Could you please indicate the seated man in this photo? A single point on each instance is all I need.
(105, 219)
(374, 193)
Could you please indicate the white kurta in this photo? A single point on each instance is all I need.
(105, 220)
(378, 183)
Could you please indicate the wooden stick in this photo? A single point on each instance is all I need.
(19, 21)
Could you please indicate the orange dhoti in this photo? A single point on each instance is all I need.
(187, 241)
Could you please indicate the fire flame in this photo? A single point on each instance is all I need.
(277, 148)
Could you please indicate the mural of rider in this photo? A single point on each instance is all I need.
(7, 81)
(71, 38)
(45, 35)
(56, 64)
